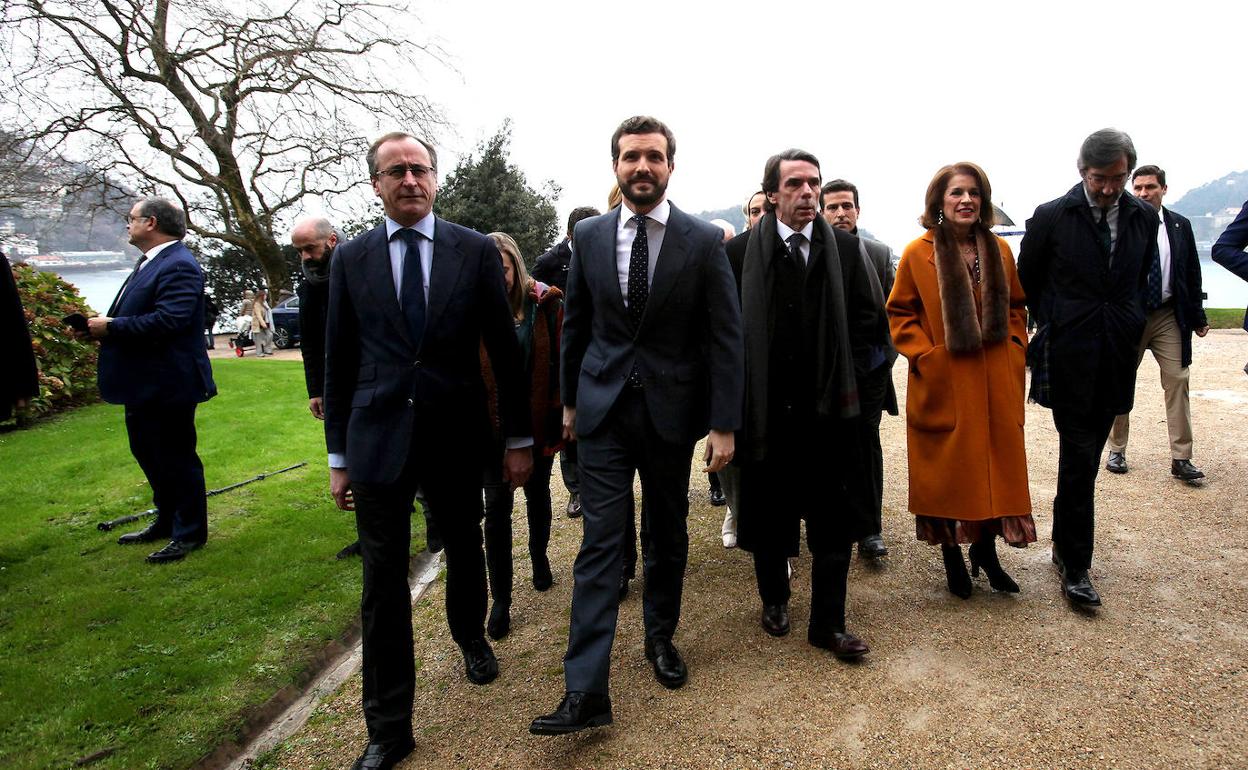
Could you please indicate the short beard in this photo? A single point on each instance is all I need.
(638, 200)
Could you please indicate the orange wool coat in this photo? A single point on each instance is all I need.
(964, 411)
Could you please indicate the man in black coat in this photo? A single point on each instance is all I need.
(411, 302)
(1084, 265)
(20, 381)
(810, 322)
(1175, 309)
(552, 269)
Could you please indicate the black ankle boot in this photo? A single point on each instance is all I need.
(956, 577)
(984, 555)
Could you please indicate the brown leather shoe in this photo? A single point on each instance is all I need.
(843, 645)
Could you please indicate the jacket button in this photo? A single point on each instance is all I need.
(416, 362)
(410, 402)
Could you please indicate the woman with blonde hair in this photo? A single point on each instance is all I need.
(957, 314)
(537, 310)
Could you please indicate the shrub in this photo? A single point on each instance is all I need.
(66, 365)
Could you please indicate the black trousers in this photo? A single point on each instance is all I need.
(829, 583)
(1081, 438)
(626, 443)
(162, 440)
(567, 468)
(452, 485)
(499, 502)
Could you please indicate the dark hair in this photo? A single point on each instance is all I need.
(371, 157)
(170, 219)
(839, 185)
(1151, 171)
(934, 201)
(643, 124)
(771, 172)
(1104, 147)
(579, 213)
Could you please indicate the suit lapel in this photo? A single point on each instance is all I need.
(604, 258)
(1175, 236)
(380, 280)
(447, 265)
(669, 264)
(138, 279)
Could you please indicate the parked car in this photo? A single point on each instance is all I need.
(286, 323)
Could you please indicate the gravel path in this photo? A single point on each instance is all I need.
(1157, 678)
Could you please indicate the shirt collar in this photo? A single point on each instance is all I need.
(785, 231)
(424, 227)
(659, 213)
(151, 253)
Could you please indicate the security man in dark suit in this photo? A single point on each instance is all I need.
(651, 358)
(153, 360)
(410, 303)
(1084, 266)
(1175, 310)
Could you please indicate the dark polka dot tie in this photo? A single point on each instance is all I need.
(638, 274)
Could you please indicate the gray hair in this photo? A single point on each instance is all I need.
(170, 219)
(370, 157)
(1104, 148)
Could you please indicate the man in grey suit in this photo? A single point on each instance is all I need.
(839, 202)
(652, 358)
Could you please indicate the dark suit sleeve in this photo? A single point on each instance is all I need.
(342, 354)
(22, 378)
(866, 320)
(498, 333)
(178, 288)
(727, 341)
(544, 268)
(312, 338)
(578, 319)
(1229, 250)
(1035, 254)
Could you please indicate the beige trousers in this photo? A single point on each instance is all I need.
(1161, 335)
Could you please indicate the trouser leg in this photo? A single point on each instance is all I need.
(538, 504)
(1081, 437)
(567, 467)
(163, 440)
(453, 490)
(771, 570)
(383, 522)
(664, 471)
(499, 501)
(1168, 350)
(829, 580)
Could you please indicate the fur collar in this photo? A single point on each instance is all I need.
(966, 330)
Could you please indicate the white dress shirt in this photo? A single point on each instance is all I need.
(1163, 248)
(786, 232)
(398, 248)
(626, 231)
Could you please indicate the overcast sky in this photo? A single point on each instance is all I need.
(884, 93)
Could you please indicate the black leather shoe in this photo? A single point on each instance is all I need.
(776, 619)
(577, 711)
(669, 667)
(872, 547)
(479, 662)
(574, 505)
(149, 535)
(542, 579)
(1116, 463)
(177, 549)
(716, 497)
(499, 624)
(383, 756)
(348, 551)
(1183, 469)
(1078, 589)
(843, 645)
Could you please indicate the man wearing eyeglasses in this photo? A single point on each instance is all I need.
(1084, 265)
(410, 303)
(153, 361)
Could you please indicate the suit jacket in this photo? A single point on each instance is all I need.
(313, 302)
(879, 256)
(688, 349)
(1229, 250)
(1185, 286)
(1089, 308)
(21, 376)
(381, 387)
(154, 351)
(552, 267)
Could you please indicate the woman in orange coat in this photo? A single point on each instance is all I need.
(957, 314)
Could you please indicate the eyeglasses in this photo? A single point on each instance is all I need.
(1100, 180)
(399, 173)
(131, 218)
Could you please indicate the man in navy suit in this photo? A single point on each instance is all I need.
(1229, 252)
(153, 361)
(1175, 309)
(652, 358)
(410, 303)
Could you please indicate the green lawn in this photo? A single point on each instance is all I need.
(157, 665)
(1225, 317)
